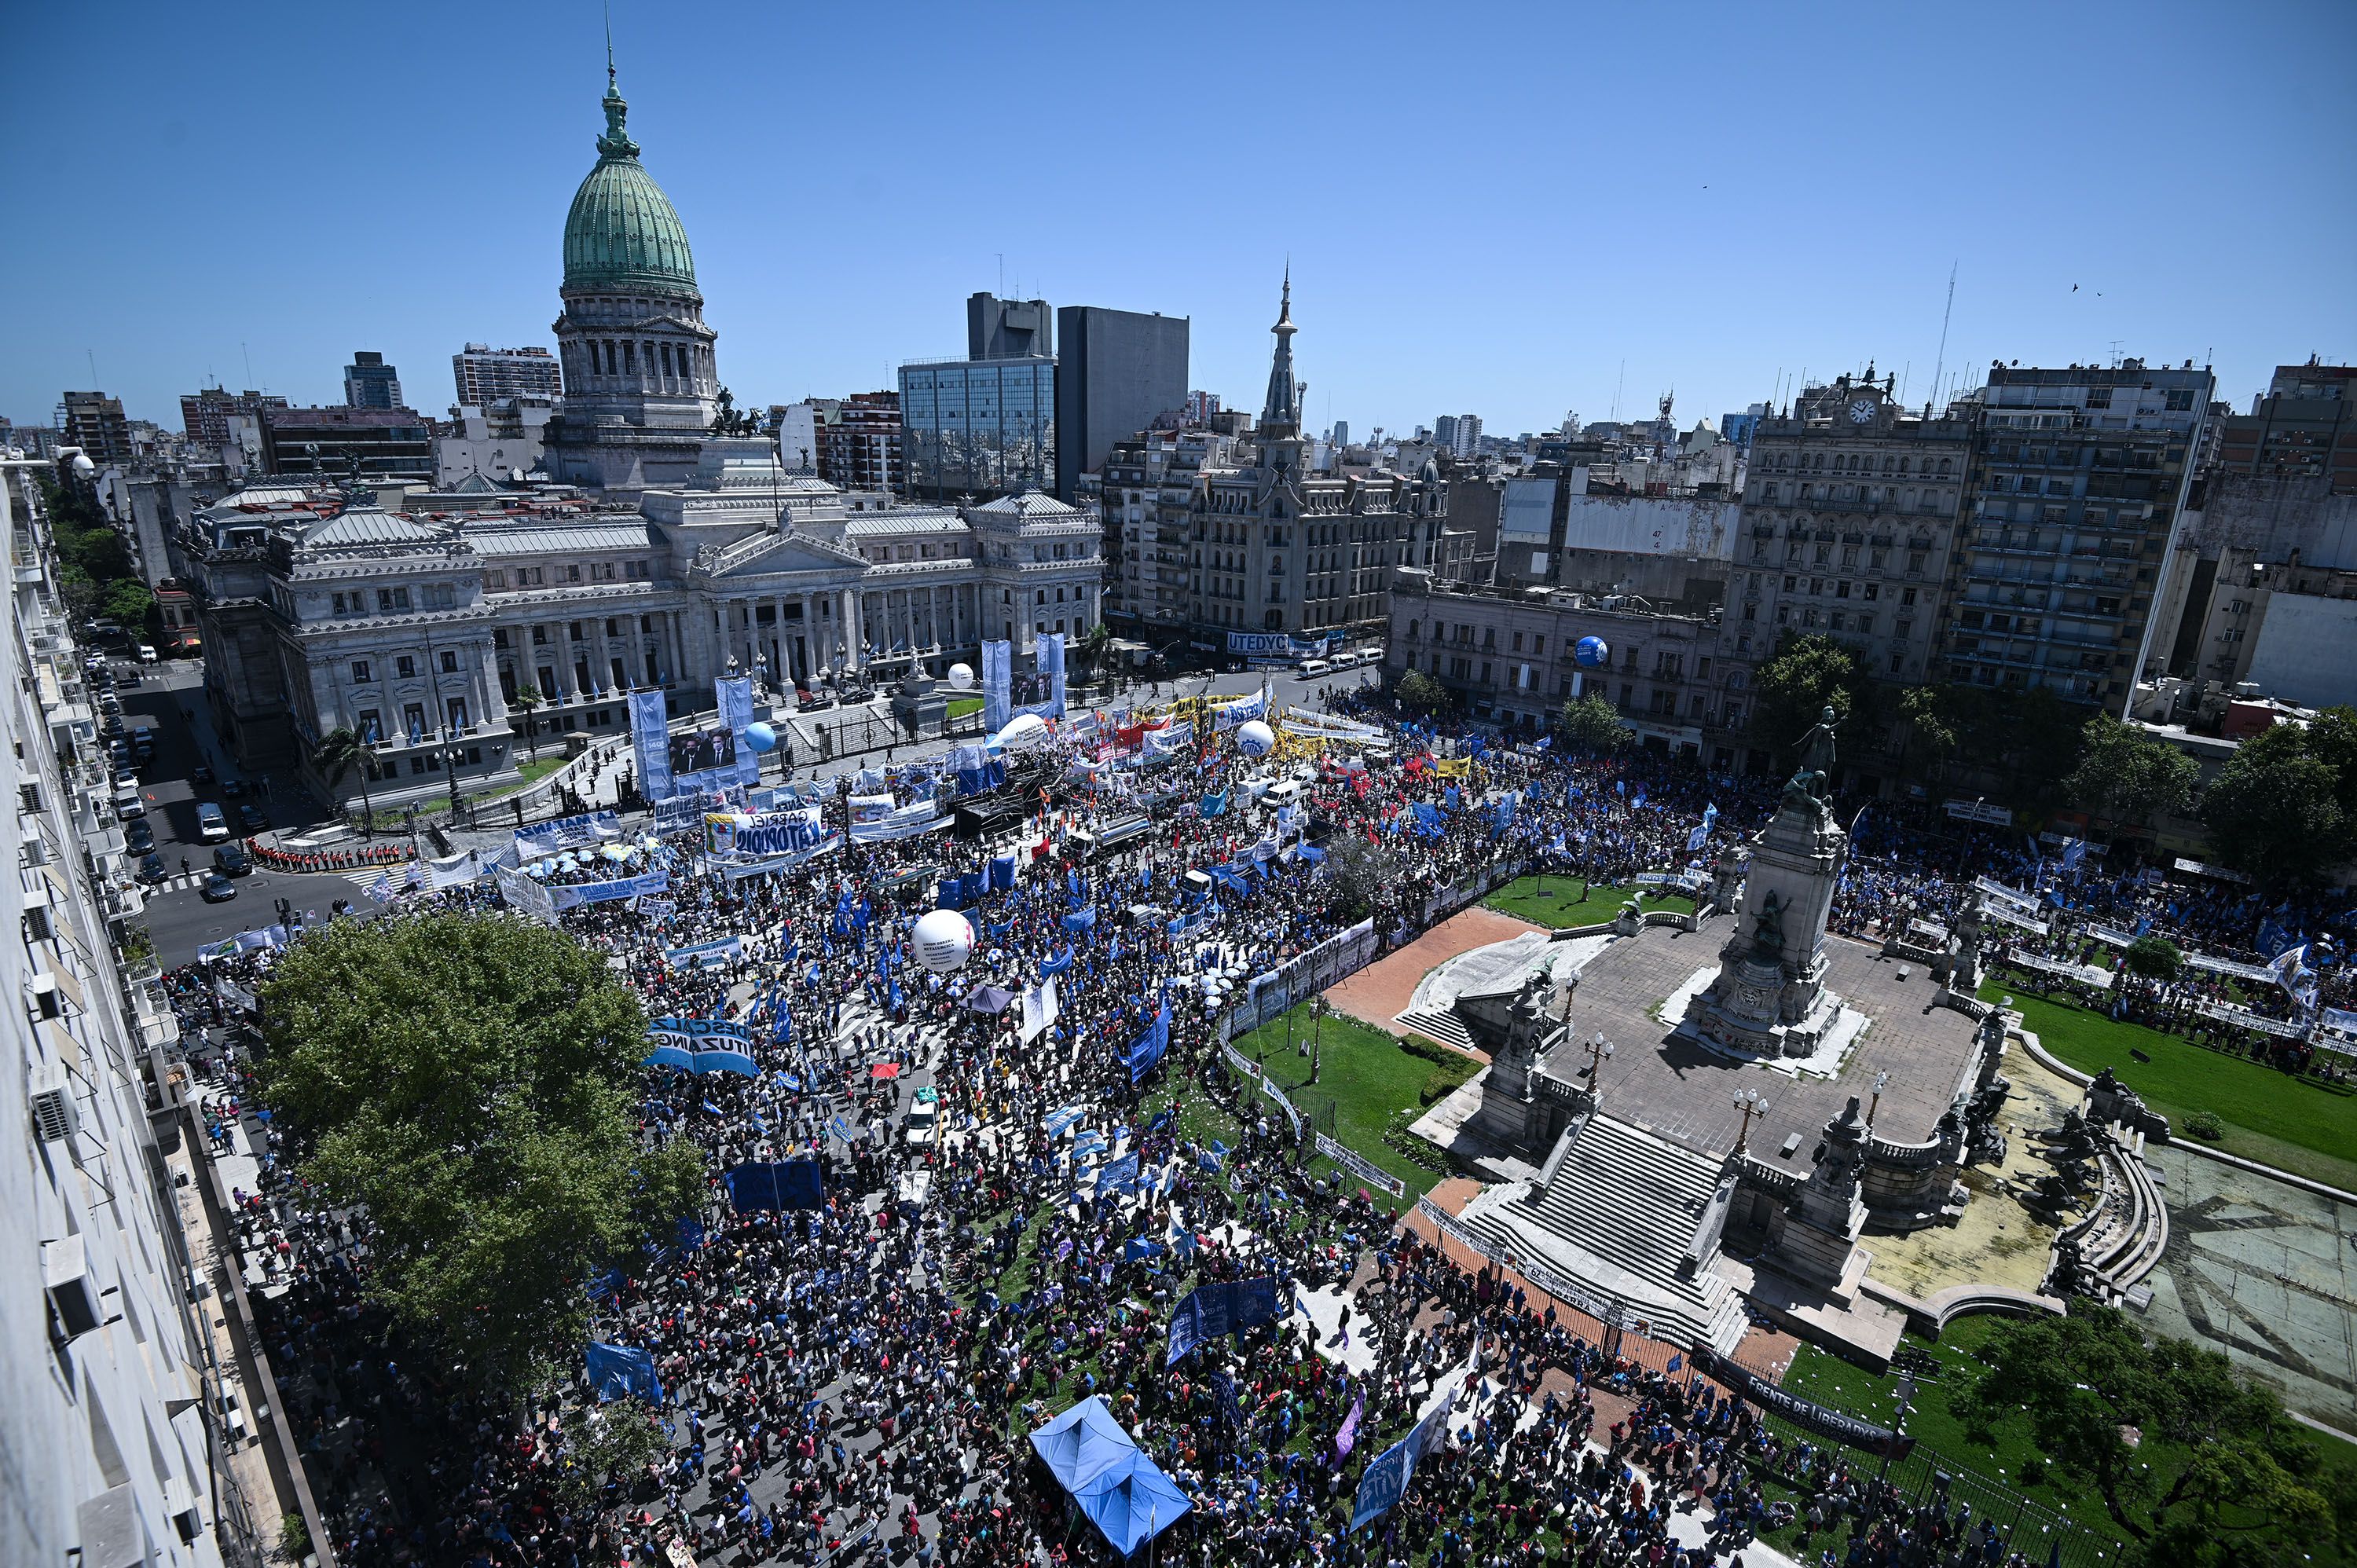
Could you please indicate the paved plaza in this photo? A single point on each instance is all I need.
(1686, 1093)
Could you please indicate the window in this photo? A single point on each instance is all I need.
(449, 662)
(371, 726)
(441, 597)
(573, 572)
(548, 683)
(339, 604)
(495, 579)
(573, 631)
(539, 636)
(360, 671)
(390, 601)
(412, 721)
(404, 667)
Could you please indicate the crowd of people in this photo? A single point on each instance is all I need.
(860, 1377)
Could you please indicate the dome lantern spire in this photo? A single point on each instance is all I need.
(616, 142)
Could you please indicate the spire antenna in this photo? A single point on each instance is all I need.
(609, 11)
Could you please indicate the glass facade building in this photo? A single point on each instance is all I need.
(979, 426)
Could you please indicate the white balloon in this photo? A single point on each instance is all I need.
(1025, 732)
(942, 940)
(1254, 738)
(961, 677)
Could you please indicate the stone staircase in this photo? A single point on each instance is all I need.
(1436, 1025)
(1618, 1213)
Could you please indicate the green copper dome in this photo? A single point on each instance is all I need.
(622, 232)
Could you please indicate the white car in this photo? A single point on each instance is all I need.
(1313, 667)
(146, 654)
(211, 825)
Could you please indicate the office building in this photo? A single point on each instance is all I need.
(633, 347)
(370, 382)
(111, 1386)
(2304, 424)
(1202, 407)
(1458, 434)
(94, 422)
(382, 441)
(1738, 427)
(485, 375)
(2078, 482)
(1849, 519)
(1008, 328)
(1341, 435)
(859, 444)
(981, 428)
(205, 416)
(1119, 371)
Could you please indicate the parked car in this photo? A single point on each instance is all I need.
(211, 826)
(139, 838)
(151, 867)
(231, 860)
(250, 820)
(217, 888)
(232, 789)
(129, 803)
(203, 775)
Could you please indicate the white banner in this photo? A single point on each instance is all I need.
(1350, 1160)
(1040, 1009)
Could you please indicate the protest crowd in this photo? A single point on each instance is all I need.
(1014, 1192)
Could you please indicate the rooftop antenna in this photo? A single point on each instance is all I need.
(1616, 391)
(1942, 362)
(609, 11)
(249, 360)
(94, 368)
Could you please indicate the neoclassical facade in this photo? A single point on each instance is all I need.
(418, 631)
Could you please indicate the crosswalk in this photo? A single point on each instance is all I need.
(183, 881)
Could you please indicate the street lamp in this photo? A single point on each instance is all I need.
(1599, 1051)
(1747, 1106)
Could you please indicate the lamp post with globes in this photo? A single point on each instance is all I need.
(1747, 1106)
(1599, 1051)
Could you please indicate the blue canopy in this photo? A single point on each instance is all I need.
(1083, 1444)
(1132, 1503)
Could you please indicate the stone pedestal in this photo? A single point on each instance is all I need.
(1769, 998)
(921, 704)
(1819, 1244)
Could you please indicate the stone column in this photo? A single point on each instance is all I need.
(854, 655)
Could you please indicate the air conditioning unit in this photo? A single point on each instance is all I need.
(56, 1116)
(41, 998)
(65, 1274)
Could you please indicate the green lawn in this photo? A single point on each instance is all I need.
(2298, 1123)
(1555, 901)
(1822, 1376)
(960, 706)
(1368, 1074)
(1827, 1378)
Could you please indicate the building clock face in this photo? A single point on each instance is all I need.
(1862, 411)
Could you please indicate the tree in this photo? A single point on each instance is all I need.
(2250, 1487)
(1593, 723)
(1804, 676)
(1420, 694)
(1091, 648)
(1936, 727)
(2128, 774)
(468, 1080)
(527, 701)
(340, 751)
(1361, 874)
(2279, 809)
(127, 600)
(606, 1442)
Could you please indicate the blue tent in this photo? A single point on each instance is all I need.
(1132, 1503)
(1083, 1444)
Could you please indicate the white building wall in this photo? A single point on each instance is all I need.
(103, 1448)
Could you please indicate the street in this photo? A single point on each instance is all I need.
(178, 918)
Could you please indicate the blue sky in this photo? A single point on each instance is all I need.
(1506, 211)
